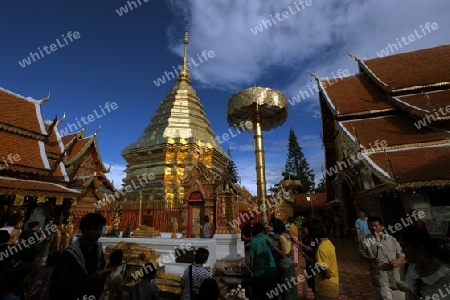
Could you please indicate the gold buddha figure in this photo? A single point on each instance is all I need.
(66, 234)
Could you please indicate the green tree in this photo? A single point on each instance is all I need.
(232, 169)
(297, 168)
(321, 187)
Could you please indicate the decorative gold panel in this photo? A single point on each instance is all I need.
(196, 225)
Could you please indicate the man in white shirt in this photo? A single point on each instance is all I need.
(384, 255)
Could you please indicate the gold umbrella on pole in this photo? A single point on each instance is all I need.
(264, 109)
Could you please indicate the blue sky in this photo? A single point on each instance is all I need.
(118, 58)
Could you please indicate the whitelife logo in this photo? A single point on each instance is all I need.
(11, 158)
(170, 75)
(411, 38)
(49, 230)
(284, 15)
(71, 36)
(431, 118)
(72, 127)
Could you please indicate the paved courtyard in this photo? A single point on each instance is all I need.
(354, 280)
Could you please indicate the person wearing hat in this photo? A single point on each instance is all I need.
(246, 237)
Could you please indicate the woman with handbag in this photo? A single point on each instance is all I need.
(285, 265)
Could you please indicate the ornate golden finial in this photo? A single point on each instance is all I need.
(356, 58)
(60, 120)
(109, 169)
(313, 75)
(99, 127)
(50, 129)
(80, 134)
(185, 59)
(42, 101)
(186, 36)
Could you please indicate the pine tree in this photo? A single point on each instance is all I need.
(297, 168)
(321, 187)
(232, 169)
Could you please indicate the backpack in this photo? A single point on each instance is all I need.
(194, 295)
(40, 290)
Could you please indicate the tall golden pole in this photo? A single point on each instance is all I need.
(264, 109)
(260, 161)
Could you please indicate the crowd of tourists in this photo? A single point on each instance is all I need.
(82, 271)
(409, 266)
(272, 255)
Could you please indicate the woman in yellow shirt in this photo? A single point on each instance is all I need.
(327, 279)
(285, 265)
(293, 230)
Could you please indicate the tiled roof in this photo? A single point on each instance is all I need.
(31, 152)
(424, 104)
(18, 111)
(417, 164)
(396, 130)
(413, 70)
(78, 148)
(53, 143)
(355, 94)
(60, 173)
(32, 185)
(301, 203)
(67, 138)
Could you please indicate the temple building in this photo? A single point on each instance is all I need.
(179, 154)
(386, 138)
(45, 176)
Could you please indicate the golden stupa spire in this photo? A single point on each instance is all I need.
(184, 73)
(186, 42)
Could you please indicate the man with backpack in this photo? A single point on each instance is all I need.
(195, 274)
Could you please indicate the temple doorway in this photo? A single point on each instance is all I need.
(196, 211)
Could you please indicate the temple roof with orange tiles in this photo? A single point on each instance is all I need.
(45, 164)
(402, 100)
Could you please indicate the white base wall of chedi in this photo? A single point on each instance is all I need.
(229, 247)
(165, 247)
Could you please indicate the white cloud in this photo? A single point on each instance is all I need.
(117, 174)
(316, 38)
